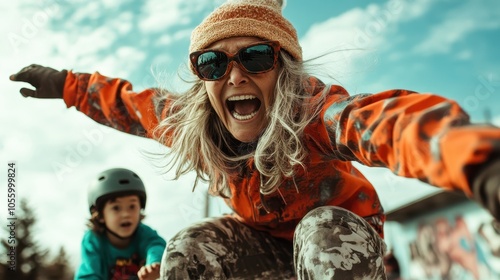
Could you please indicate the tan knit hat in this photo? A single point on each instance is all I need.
(258, 18)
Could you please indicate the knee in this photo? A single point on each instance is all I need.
(328, 216)
(187, 241)
(329, 224)
(190, 254)
(334, 240)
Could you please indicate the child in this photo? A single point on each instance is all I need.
(119, 245)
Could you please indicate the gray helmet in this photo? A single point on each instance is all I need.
(114, 182)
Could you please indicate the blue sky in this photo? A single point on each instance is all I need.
(442, 46)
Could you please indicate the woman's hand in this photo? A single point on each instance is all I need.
(48, 82)
(486, 188)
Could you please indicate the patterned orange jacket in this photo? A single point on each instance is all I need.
(420, 136)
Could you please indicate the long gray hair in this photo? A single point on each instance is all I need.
(199, 141)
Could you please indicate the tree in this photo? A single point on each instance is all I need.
(58, 268)
(24, 258)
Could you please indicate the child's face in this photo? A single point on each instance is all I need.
(122, 215)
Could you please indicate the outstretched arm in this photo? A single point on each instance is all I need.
(109, 101)
(421, 136)
(92, 263)
(149, 272)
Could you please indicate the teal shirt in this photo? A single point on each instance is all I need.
(101, 260)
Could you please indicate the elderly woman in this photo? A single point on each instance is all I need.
(277, 144)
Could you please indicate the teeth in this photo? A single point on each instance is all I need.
(245, 117)
(241, 97)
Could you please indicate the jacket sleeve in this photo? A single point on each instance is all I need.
(421, 136)
(91, 266)
(152, 244)
(112, 102)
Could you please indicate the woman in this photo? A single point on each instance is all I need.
(277, 145)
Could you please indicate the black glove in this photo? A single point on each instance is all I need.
(486, 187)
(48, 82)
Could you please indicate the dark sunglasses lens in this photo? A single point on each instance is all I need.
(258, 58)
(212, 65)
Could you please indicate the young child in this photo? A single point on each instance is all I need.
(118, 245)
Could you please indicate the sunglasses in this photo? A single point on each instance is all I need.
(212, 65)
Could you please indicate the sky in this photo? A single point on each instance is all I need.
(445, 47)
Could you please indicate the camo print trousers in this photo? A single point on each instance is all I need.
(329, 243)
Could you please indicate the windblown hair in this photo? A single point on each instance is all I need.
(200, 142)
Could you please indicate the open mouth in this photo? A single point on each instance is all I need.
(126, 224)
(243, 107)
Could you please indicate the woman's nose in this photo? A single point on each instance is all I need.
(237, 75)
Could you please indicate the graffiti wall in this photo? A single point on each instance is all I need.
(459, 242)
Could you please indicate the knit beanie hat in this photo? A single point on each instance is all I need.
(256, 18)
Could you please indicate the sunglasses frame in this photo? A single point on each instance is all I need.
(234, 57)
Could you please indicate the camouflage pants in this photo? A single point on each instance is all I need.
(329, 243)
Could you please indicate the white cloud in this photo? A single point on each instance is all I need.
(123, 22)
(343, 40)
(87, 11)
(496, 120)
(353, 38)
(119, 63)
(91, 40)
(167, 39)
(164, 40)
(361, 28)
(158, 15)
(445, 35)
(464, 55)
(114, 4)
(457, 24)
(409, 10)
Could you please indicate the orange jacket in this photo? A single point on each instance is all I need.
(420, 136)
